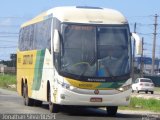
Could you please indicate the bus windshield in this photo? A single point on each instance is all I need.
(95, 51)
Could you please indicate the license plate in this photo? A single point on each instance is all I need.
(95, 99)
(146, 84)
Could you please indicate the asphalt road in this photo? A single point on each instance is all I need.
(11, 103)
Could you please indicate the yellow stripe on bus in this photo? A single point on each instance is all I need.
(86, 85)
(34, 20)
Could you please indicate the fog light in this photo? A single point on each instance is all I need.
(71, 87)
(124, 88)
(121, 89)
(62, 96)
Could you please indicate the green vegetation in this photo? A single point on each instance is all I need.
(6, 80)
(143, 104)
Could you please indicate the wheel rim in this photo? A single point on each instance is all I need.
(112, 110)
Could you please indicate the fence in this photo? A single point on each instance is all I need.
(8, 70)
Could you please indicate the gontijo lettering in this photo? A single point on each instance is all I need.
(27, 59)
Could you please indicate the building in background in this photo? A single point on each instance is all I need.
(147, 64)
(2, 68)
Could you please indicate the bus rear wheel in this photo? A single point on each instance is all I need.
(27, 101)
(112, 110)
(53, 108)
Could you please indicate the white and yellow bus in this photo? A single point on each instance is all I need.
(78, 56)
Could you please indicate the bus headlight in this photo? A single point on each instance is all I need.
(124, 88)
(65, 85)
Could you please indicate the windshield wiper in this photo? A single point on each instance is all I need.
(109, 73)
(85, 70)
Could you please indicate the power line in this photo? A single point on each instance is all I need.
(8, 47)
(8, 36)
(146, 43)
(9, 25)
(15, 17)
(145, 16)
(8, 41)
(145, 33)
(141, 24)
(8, 33)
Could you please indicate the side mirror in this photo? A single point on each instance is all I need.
(56, 43)
(138, 43)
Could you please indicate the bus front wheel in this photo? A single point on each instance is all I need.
(112, 110)
(27, 101)
(53, 108)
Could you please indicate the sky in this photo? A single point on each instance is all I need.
(15, 12)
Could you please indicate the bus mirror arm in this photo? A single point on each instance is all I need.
(56, 41)
(138, 43)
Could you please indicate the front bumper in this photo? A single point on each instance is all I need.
(68, 97)
(146, 89)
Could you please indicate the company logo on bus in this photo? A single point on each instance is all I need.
(96, 92)
(96, 80)
(27, 59)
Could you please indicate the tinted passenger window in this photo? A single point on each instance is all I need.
(35, 36)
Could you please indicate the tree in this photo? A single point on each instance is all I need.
(10, 63)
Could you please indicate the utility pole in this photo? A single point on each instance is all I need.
(133, 56)
(154, 43)
(142, 59)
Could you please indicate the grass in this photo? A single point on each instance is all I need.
(6, 80)
(143, 104)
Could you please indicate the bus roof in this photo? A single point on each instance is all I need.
(91, 15)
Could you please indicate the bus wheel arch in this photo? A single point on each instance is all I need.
(53, 108)
(48, 89)
(22, 86)
(25, 81)
(27, 101)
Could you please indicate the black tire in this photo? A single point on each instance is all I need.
(137, 90)
(27, 101)
(146, 92)
(132, 91)
(53, 108)
(112, 110)
(37, 103)
(152, 92)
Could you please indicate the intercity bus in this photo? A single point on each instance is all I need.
(75, 56)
